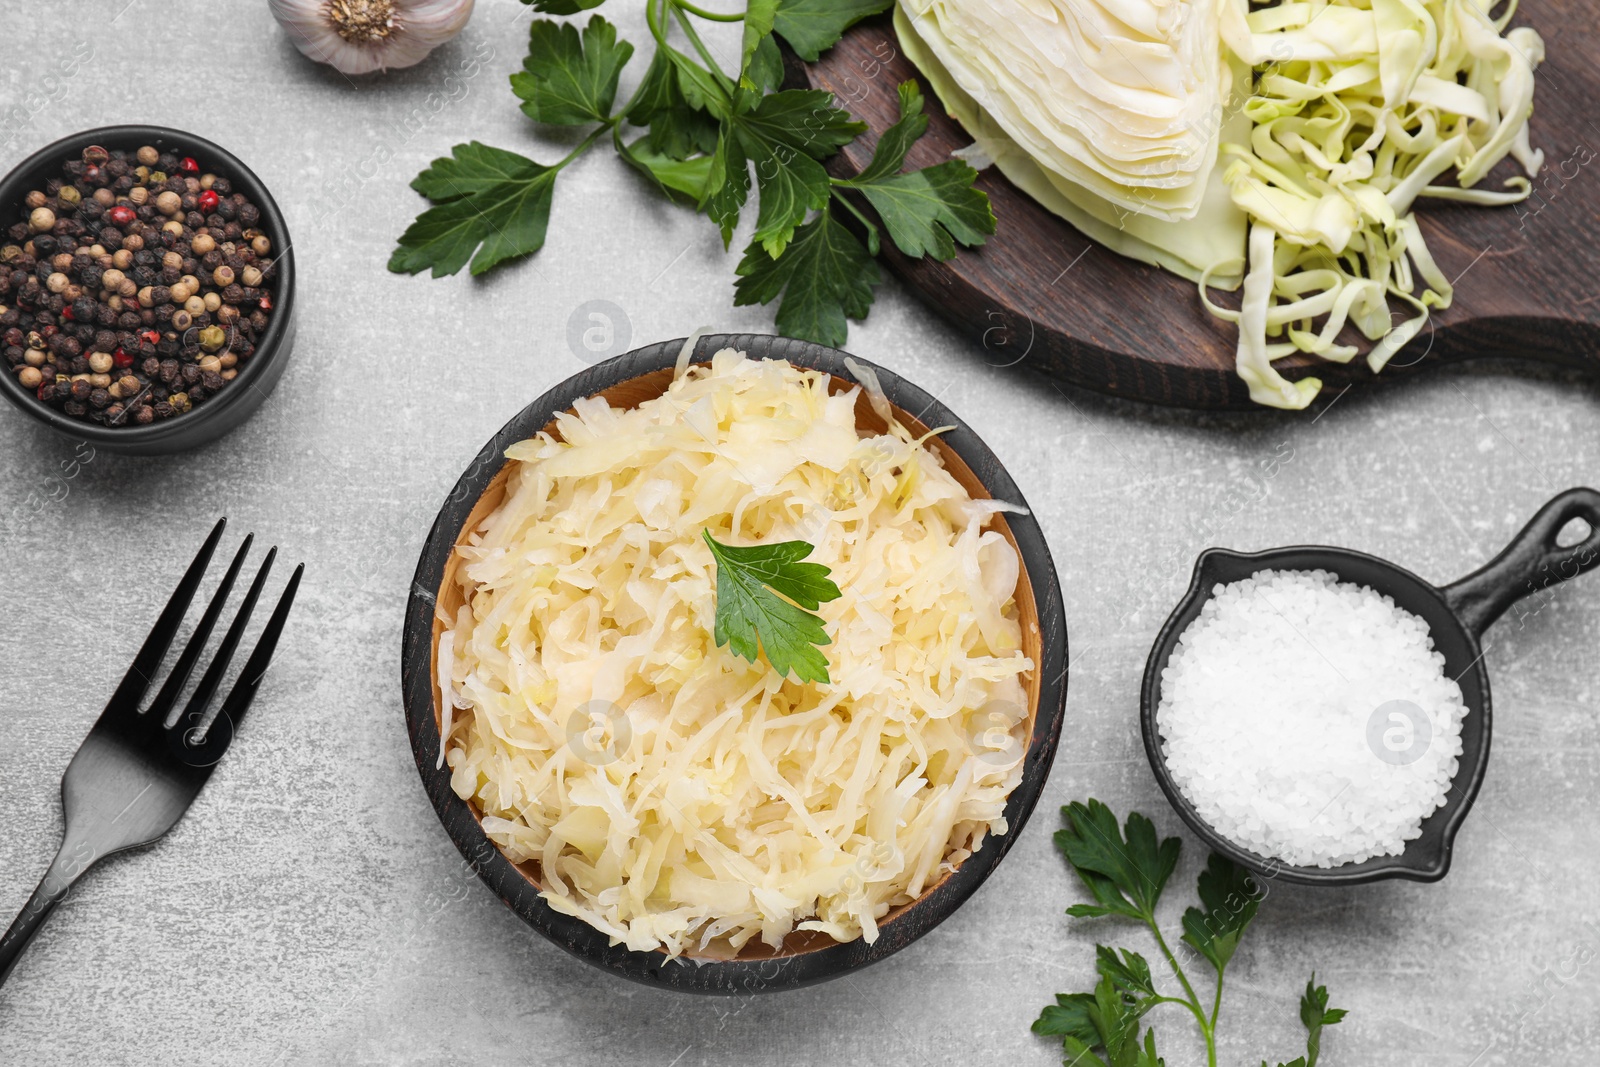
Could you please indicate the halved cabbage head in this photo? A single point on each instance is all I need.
(1122, 97)
(1212, 241)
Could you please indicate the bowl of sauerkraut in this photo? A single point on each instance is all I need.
(679, 814)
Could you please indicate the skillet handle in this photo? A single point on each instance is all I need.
(1531, 564)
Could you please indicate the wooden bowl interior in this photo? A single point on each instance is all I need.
(635, 391)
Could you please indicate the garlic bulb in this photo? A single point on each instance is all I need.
(361, 36)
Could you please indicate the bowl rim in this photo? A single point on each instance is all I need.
(737, 976)
(269, 346)
(1417, 865)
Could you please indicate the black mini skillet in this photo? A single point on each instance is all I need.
(1534, 563)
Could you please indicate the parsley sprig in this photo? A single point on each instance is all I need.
(705, 131)
(753, 618)
(1125, 870)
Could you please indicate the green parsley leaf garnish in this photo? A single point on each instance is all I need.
(706, 131)
(494, 202)
(753, 616)
(1125, 870)
(562, 7)
(677, 128)
(1314, 1015)
(760, 65)
(1125, 873)
(823, 277)
(567, 80)
(813, 26)
(1231, 897)
(686, 177)
(925, 211)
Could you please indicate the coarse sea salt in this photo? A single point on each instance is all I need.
(1310, 720)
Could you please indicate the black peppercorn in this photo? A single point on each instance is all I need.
(50, 283)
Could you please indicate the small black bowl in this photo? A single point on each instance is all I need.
(241, 397)
(626, 379)
(1457, 616)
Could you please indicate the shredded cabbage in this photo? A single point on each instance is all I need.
(674, 795)
(1360, 106)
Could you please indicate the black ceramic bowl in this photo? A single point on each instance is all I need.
(242, 396)
(627, 380)
(1457, 616)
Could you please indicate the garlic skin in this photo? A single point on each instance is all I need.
(361, 36)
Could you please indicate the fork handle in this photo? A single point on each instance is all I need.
(70, 862)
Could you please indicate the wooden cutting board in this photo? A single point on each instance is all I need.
(1041, 294)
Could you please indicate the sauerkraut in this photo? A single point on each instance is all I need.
(672, 794)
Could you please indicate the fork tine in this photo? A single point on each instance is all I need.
(136, 682)
(255, 668)
(195, 712)
(161, 708)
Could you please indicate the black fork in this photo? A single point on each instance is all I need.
(137, 772)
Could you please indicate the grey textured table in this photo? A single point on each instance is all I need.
(310, 909)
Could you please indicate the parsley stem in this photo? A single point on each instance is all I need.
(699, 45)
(710, 15)
(584, 145)
(1193, 1003)
(652, 17)
(868, 223)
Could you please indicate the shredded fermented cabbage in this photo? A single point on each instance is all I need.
(674, 795)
